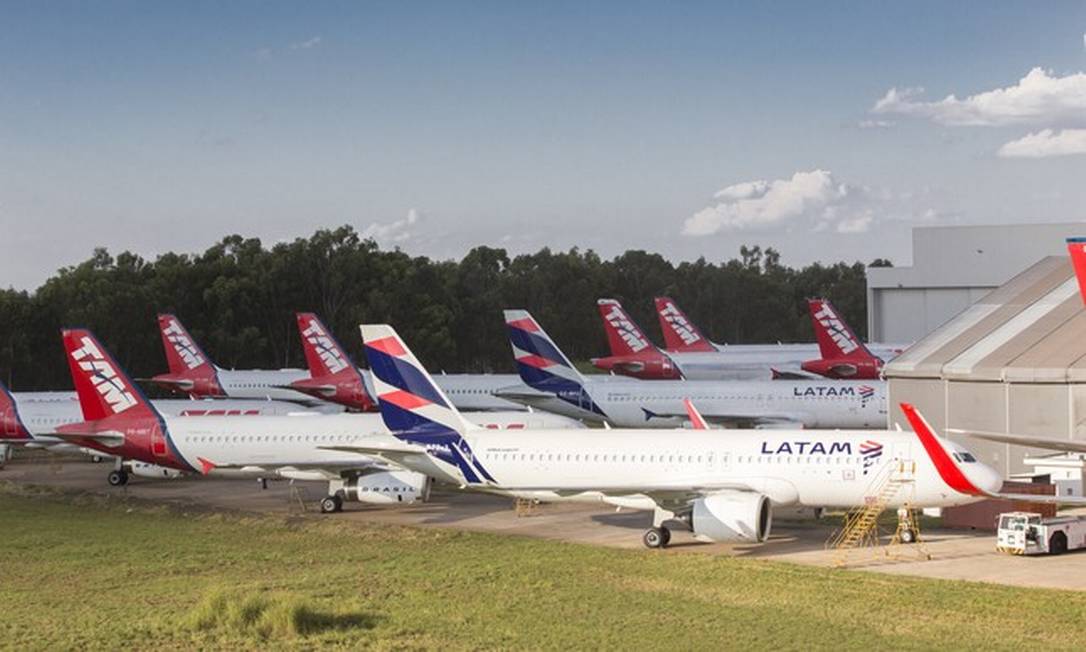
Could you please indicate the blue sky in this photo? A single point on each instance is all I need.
(438, 126)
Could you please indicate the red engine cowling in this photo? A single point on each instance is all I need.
(845, 369)
(196, 384)
(646, 366)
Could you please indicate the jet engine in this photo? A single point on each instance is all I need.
(387, 488)
(732, 516)
(646, 365)
(845, 368)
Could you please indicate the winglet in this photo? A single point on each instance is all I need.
(696, 419)
(206, 466)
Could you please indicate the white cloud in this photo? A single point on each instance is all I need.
(307, 44)
(813, 196)
(1046, 143)
(1038, 98)
(396, 232)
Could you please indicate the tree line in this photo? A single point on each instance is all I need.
(239, 297)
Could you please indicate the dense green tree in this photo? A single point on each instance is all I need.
(239, 298)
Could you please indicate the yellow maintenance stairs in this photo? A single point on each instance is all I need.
(894, 483)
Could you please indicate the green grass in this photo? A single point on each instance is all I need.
(81, 572)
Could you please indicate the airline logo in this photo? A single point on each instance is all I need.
(325, 347)
(807, 448)
(183, 344)
(866, 391)
(625, 328)
(870, 451)
(837, 330)
(678, 322)
(110, 384)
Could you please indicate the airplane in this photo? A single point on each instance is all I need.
(632, 403)
(722, 486)
(121, 422)
(192, 372)
(27, 419)
(696, 357)
(331, 376)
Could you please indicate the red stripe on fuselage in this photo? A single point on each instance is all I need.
(948, 470)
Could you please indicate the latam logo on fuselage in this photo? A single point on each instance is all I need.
(837, 330)
(679, 324)
(105, 378)
(865, 392)
(626, 330)
(326, 348)
(183, 344)
(807, 448)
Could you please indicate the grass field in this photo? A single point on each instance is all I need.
(87, 573)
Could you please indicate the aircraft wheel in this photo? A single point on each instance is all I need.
(117, 478)
(908, 536)
(331, 504)
(656, 537)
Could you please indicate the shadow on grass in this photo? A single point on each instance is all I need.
(270, 616)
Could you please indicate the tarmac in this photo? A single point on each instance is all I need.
(954, 554)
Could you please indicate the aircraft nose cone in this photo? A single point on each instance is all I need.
(988, 479)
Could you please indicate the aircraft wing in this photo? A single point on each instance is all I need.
(389, 452)
(1066, 445)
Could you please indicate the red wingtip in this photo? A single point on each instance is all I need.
(206, 466)
(695, 417)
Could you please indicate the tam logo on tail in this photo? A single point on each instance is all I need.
(103, 375)
(679, 324)
(624, 327)
(179, 338)
(837, 330)
(325, 347)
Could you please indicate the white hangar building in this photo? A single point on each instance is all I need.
(954, 266)
(1012, 362)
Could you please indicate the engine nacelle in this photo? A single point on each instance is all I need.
(388, 488)
(153, 471)
(731, 516)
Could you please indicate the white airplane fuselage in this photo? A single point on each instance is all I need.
(630, 403)
(831, 469)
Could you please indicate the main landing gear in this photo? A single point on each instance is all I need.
(332, 504)
(656, 537)
(118, 478)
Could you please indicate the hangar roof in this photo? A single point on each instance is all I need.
(1032, 329)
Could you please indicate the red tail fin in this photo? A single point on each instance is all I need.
(1077, 248)
(11, 426)
(680, 334)
(836, 340)
(323, 354)
(104, 389)
(183, 354)
(623, 335)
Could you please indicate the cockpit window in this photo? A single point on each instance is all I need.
(968, 458)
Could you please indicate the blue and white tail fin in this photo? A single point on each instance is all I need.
(542, 365)
(414, 408)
